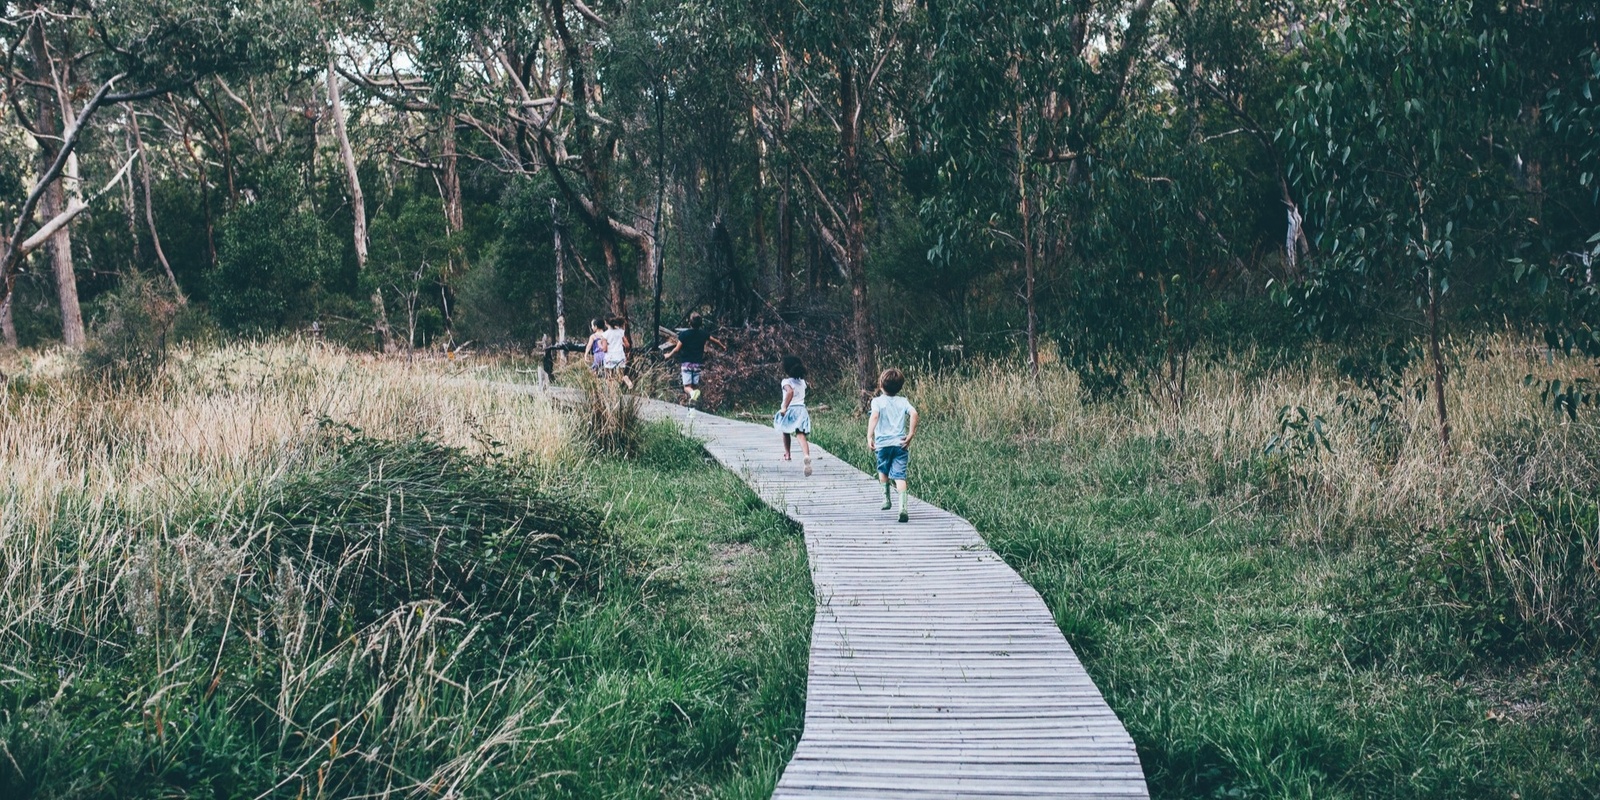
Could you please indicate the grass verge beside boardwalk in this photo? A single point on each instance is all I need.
(1250, 652)
(688, 680)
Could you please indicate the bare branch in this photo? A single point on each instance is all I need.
(74, 208)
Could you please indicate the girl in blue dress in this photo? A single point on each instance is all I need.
(792, 418)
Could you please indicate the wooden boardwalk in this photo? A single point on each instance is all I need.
(936, 672)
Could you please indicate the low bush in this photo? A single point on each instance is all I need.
(608, 416)
(748, 367)
(130, 336)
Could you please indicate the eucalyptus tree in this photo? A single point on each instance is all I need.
(1232, 61)
(67, 60)
(829, 110)
(1407, 181)
(538, 84)
(1021, 101)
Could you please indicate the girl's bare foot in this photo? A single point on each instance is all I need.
(786, 457)
(808, 466)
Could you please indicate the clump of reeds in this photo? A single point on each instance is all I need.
(609, 416)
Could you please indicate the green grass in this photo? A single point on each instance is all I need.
(1245, 665)
(688, 678)
(401, 618)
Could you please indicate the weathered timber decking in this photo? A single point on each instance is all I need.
(936, 672)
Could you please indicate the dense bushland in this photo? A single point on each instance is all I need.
(1132, 184)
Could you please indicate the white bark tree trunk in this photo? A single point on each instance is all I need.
(149, 208)
(55, 106)
(358, 205)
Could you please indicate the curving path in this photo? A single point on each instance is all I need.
(936, 672)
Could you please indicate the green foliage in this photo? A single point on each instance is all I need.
(609, 416)
(1245, 664)
(129, 338)
(1405, 190)
(410, 255)
(272, 257)
(469, 532)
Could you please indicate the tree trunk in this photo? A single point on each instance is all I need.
(61, 262)
(561, 280)
(1025, 212)
(758, 222)
(8, 325)
(358, 207)
(149, 208)
(619, 299)
(452, 178)
(8, 328)
(656, 251)
(53, 106)
(855, 233)
(130, 205)
(1435, 353)
(785, 236)
(450, 187)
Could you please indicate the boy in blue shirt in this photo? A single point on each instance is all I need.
(889, 432)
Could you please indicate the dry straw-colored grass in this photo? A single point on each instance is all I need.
(220, 419)
(1229, 417)
(95, 485)
(1495, 497)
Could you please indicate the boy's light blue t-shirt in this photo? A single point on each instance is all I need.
(894, 416)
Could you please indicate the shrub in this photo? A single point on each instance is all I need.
(128, 346)
(609, 416)
(433, 523)
(749, 369)
(347, 630)
(272, 256)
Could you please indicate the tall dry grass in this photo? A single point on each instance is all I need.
(218, 419)
(1513, 498)
(129, 539)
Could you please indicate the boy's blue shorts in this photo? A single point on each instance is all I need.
(892, 460)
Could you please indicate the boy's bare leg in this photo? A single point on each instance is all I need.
(888, 503)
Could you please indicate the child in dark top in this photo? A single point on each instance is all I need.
(690, 353)
(792, 418)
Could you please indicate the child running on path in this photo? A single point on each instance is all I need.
(889, 432)
(596, 346)
(690, 352)
(616, 356)
(792, 418)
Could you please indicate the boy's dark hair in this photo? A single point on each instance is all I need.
(695, 320)
(890, 381)
(794, 367)
(615, 322)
